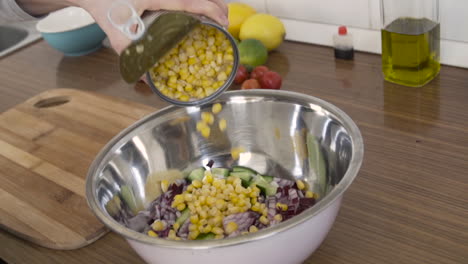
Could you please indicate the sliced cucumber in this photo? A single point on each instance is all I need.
(267, 178)
(197, 174)
(264, 186)
(243, 169)
(185, 214)
(205, 236)
(245, 176)
(129, 199)
(220, 172)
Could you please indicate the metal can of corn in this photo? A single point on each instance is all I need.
(189, 59)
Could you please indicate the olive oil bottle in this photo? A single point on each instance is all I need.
(411, 51)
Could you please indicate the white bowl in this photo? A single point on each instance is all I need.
(71, 30)
(66, 19)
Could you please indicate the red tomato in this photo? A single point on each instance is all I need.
(250, 84)
(241, 75)
(258, 72)
(271, 80)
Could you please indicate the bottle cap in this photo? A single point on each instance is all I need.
(342, 30)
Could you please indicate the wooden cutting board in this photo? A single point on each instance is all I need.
(46, 147)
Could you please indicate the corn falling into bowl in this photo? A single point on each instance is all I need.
(198, 66)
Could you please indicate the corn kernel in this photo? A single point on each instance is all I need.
(201, 125)
(203, 222)
(219, 55)
(172, 234)
(183, 56)
(190, 51)
(300, 185)
(169, 63)
(230, 227)
(206, 132)
(197, 183)
(193, 235)
(194, 219)
(264, 220)
(309, 194)
(188, 87)
(207, 117)
(256, 207)
(189, 188)
(202, 199)
(213, 211)
(211, 73)
(192, 61)
(181, 206)
(234, 210)
(219, 237)
(235, 152)
(176, 226)
(151, 233)
(253, 200)
(172, 79)
(209, 91)
(228, 57)
(239, 189)
(209, 55)
(171, 73)
(220, 204)
(222, 76)
(203, 214)
(217, 220)
(158, 225)
(174, 51)
(208, 177)
(281, 206)
(164, 185)
(278, 217)
(222, 124)
(184, 98)
(217, 230)
(211, 40)
(184, 76)
(207, 229)
(241, 203)
(216, 183)
(253, 229)
(192, 227)
(210, 200)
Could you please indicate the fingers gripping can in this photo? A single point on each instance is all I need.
(188, 59)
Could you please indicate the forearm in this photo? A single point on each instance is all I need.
(42, 7)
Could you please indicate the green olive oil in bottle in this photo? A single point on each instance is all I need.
(411, 51)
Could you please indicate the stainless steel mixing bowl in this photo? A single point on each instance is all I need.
(284, 134)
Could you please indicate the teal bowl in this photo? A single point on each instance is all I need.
(72, 31)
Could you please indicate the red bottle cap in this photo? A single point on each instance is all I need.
(342, 30)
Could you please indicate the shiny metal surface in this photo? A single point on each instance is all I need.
(17, 35)
(285, 134)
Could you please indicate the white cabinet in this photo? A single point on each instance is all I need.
(352, 13)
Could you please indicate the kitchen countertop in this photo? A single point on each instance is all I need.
(409, 203)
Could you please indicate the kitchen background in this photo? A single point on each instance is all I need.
(315, 21)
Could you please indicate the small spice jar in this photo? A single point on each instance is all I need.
(343, 44)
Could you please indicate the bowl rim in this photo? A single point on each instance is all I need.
(328, 200)
(40, 23)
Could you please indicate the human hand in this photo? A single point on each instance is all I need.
(215, 9)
